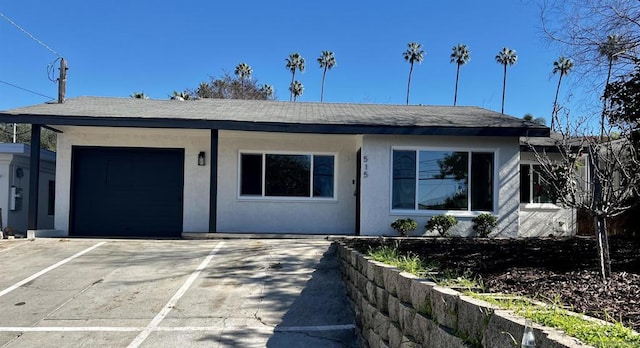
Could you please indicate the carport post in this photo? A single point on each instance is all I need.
(213, 182)
(34, 178)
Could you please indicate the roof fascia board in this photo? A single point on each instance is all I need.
(270, 127)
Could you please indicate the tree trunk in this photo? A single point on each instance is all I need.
(409, 82)
(455, 95)
(602, 241)
(554, 114)
(504, 85)
(322, 90)
(604, 99)
(293, 77)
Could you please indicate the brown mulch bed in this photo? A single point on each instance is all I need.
(564, 270)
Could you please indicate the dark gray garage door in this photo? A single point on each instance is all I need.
(126, 192)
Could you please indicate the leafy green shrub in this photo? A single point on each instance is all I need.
(404, 226)
(441, 224)
(484, 224)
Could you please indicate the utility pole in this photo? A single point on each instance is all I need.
(62, 81)
(34, 157)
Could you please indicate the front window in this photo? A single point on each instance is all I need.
(287, 175)
(442, 180)
(533, 188)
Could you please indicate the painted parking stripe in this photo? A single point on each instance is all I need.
(70, 329)
(50, 268)
(112, 328)
(174, 300)
(174, 328)
(314, 328)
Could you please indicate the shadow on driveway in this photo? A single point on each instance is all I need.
(320, 316)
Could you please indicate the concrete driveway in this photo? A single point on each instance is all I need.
(172, 293)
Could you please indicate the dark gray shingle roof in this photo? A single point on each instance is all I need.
(275, 116)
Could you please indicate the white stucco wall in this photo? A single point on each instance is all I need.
(257, 215)
(196, 178)
(376, 182)
(337, 216)
(543, 220)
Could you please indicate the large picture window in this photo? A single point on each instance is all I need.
(287, 175)
(442, 180)
(533, 189)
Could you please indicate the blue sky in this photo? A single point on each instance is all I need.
(116, 47)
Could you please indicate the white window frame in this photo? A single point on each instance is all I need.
(530, 204)
(457, 213)
(263, 197)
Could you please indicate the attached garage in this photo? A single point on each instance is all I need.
(127, 192)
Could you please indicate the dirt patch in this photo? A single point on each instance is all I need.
(564, 270)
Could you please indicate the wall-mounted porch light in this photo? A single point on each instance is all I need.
(201, 159)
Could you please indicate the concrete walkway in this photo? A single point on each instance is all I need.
(137, 293)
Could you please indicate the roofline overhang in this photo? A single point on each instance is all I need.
(550, 148)
(148, 122)
(540, 148)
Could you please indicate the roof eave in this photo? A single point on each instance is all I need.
(325, 128)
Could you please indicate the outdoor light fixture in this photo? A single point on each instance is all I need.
(201, 158)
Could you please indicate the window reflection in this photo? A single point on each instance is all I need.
(443, 180)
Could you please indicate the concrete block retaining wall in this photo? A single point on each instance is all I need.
(397, 309)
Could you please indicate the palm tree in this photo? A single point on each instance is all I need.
(610, 49)
(294, 62)
(179, 96)
(296, 89)
(460, 56)
(563, 66)
(242, 71)
(267, 91)
(326, 61)
(138, 95)
(506, 57)
(413, 54)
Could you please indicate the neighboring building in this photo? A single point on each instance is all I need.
(129, 167)
(540, 215)
(14, 187)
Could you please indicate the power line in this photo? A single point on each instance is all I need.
(29, 35)
(26, 90)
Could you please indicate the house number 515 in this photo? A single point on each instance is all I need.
(365, 172)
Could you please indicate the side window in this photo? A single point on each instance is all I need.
(533, 188)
